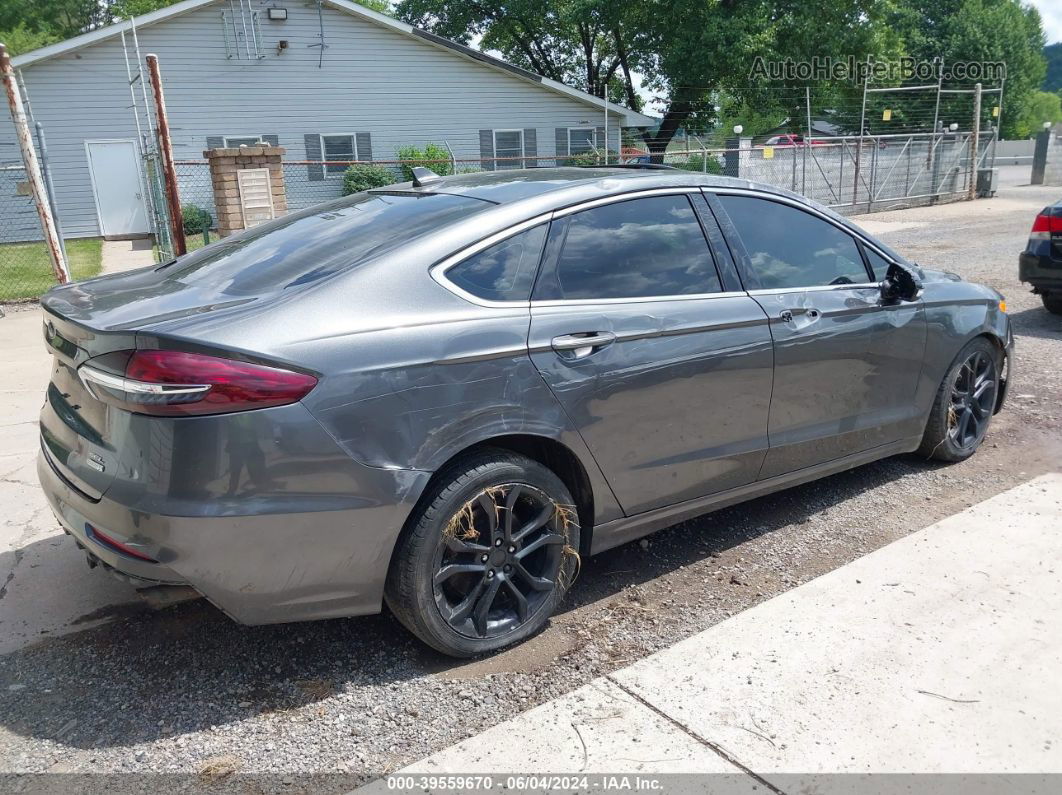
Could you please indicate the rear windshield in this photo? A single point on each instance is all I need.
(311, 244)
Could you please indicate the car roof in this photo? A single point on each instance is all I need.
(512, 185)
(535, 190)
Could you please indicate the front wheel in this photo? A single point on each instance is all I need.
(487, 557)
(964, 404)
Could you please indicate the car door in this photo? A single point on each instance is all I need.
(666, 374)
(846, 364)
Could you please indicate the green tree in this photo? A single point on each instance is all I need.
(973, 31)
(1053, 78)
(20, 39)
(583, 43)
(1041, 106)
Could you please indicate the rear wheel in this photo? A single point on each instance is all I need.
(487, 557)
(1052, 302)
(964, 404)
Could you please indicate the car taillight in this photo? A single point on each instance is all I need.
(177, 384)
(1044, 225)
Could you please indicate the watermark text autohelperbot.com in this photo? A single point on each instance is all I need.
(860, 71)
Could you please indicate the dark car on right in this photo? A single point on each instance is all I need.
(1041, 263)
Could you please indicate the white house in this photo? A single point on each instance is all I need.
(327, 79)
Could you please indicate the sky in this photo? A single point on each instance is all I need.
(1051, 11)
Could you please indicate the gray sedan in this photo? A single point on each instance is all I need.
(444, 395)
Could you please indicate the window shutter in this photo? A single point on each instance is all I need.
(272, 140)
(215, 142)
(486, 149)
(364, 144)
(562, 144)
(314, 171)
(530, 147)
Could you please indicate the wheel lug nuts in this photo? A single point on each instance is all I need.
(490, 574)
(512, 549)
(484, 558)
(497, 542)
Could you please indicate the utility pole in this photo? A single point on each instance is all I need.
(33, 171)
(975, 140)
(166, 150)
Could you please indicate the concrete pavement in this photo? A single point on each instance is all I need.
(125, 255)
(939, 653)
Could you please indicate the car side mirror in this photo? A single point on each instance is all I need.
(900, 284)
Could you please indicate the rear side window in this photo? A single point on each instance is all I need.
(312, 244)
(788, 247)
(638, 248)
(505, 271)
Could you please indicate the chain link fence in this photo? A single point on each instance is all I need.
(852, 175)
(25, 267)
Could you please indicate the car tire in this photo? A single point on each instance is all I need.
(1052, 302)
(962, 412)
(524, 576)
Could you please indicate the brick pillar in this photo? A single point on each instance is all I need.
(224, 166)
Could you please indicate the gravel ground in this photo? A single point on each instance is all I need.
(187, 691)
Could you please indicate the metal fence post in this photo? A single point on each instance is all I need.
(862, 129)
(971, 187)
(166, 150)
(47, 172)
(29, 158)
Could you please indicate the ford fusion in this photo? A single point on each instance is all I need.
(445, 395)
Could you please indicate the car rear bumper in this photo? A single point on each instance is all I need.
(259, 568)
(1042, 271)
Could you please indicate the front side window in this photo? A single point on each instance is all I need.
(338, 147)
(504, 271)
(509, 148)
(789, 248)
(878, 263)
(645, 247)
(580, 139)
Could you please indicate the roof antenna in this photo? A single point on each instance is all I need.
(424, 176)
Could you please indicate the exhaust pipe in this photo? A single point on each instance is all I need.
(159, 597)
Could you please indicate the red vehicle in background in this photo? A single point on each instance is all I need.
(791, 139)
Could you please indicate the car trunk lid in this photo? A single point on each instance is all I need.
(80, 434)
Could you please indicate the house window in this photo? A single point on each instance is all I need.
(338, 147)
(508, 148)
(236, 141)
(580, 139)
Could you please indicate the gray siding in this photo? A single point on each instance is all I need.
(398, 89)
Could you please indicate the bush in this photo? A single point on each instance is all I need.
(592, 159)
(431, 156)
(362, 176)
(195, 219)
(695, 162)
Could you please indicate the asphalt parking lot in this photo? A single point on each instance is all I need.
(91, 681)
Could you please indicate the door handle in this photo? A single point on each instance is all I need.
(583, 343)
(811, 314)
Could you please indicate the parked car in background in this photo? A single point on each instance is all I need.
(790, 139)
(444, 394)
(1040, 265)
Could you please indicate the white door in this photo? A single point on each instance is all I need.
(116, 185)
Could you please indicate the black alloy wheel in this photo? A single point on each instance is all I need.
(500, 560)
(973, 398)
